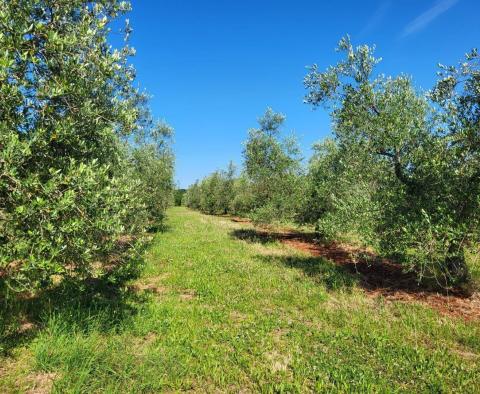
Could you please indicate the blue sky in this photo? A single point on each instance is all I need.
(213, 66)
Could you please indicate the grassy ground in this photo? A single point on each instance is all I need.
(212, 312)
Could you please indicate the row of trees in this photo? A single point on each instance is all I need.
(84, 170)
(402, 171)
(267, 189)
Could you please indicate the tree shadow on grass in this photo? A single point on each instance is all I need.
(99, 304)
(319, 268)
(322, 271)
(369, 271)
(254, 236)
(161, 227)
(338, 266)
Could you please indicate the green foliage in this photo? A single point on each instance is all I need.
(243, 197)
(268, 189)
(69, 194)
(338, 198)
(64, 224)
(178, 197)
(192, 196)
(405, 166)
(273, 167)
(401, 174)
(214, 194)
(153, 167)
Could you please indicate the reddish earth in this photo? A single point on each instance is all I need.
(378, 277)
(381, 278)
(240, 220)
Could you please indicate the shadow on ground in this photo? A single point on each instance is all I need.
(100, 304)
(322, 271)
(96, 304)
(346, 265)
(159, 228)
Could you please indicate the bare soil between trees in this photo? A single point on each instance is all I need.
(376, 276)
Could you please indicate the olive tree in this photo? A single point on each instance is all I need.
(153, 165)
(192, 196)
(421, 154)
(68, 110)
(214, 194)
(339, 190)
(272, 165)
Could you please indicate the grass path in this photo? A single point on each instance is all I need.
(213, 313)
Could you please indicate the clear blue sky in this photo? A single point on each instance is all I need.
(213, 66)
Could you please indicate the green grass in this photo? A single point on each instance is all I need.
(213, 313)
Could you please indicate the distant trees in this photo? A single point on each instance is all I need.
(267, 190)
(214, 194)
(178, 198)
(192, 196)
(273, 167)
(224, 192)
(153, 165)
(243, 200)
(76, 191)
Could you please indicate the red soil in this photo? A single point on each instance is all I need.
(380, 277)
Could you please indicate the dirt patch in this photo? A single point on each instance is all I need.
(149, 338)
(237, 317)
(279, 362)
(465, 354)
(279, 334)
(188, 295)
(26, 327)
(240, 220)
(378, 277)
(151, 285)
(267, 250)
(141, 344)
(42, 383)
(149, 288)
(467, 308)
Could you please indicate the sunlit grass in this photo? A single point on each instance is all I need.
(213, 312)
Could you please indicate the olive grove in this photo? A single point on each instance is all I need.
(401, 172)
